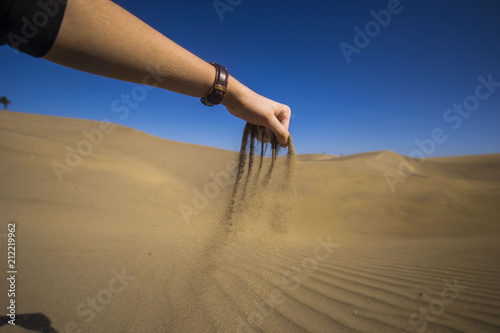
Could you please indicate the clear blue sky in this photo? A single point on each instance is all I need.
(395, 90)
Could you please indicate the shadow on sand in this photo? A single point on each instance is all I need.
(31, 321)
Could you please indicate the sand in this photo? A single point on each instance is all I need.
(131, 239)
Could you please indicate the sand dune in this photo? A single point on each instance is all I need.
(128, 238)
(315, 157)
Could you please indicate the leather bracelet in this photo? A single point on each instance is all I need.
(219, 87)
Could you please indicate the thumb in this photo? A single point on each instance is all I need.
(280, 131)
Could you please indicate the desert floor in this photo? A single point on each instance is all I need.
(123, 233)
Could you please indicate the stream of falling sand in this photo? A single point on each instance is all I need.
(260, 207)
(253, 136)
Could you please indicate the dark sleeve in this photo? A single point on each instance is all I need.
(31, 26)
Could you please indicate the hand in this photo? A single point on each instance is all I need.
(258, 110)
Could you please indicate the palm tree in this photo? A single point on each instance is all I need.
(4, 101)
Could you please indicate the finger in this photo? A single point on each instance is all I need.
(285, 122)
(284, 117)
(280, 131)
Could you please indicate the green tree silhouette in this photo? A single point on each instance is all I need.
(5, 101)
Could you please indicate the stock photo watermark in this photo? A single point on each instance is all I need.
(437, 306)
(221, 7)
(30, 25)
(363, 37)
(211, 190)
(453, 116)
(94, 305)
(93, 138)
(11, 272)
(292, 279)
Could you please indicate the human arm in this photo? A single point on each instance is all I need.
(100, 37)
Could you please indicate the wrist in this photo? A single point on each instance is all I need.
(235, 94)
(219, 87)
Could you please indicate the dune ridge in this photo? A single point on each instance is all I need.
(132, 241)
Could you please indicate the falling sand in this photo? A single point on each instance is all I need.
(253, 136)
(252, 222)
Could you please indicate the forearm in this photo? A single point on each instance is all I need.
(100, 37)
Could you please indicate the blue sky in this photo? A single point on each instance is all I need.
(395, 90)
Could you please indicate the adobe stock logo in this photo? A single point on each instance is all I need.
(92, 306)
(372, 29)
(30, 26)
(292, 280)
(221, 7)
(429, 313)
(454, 115)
